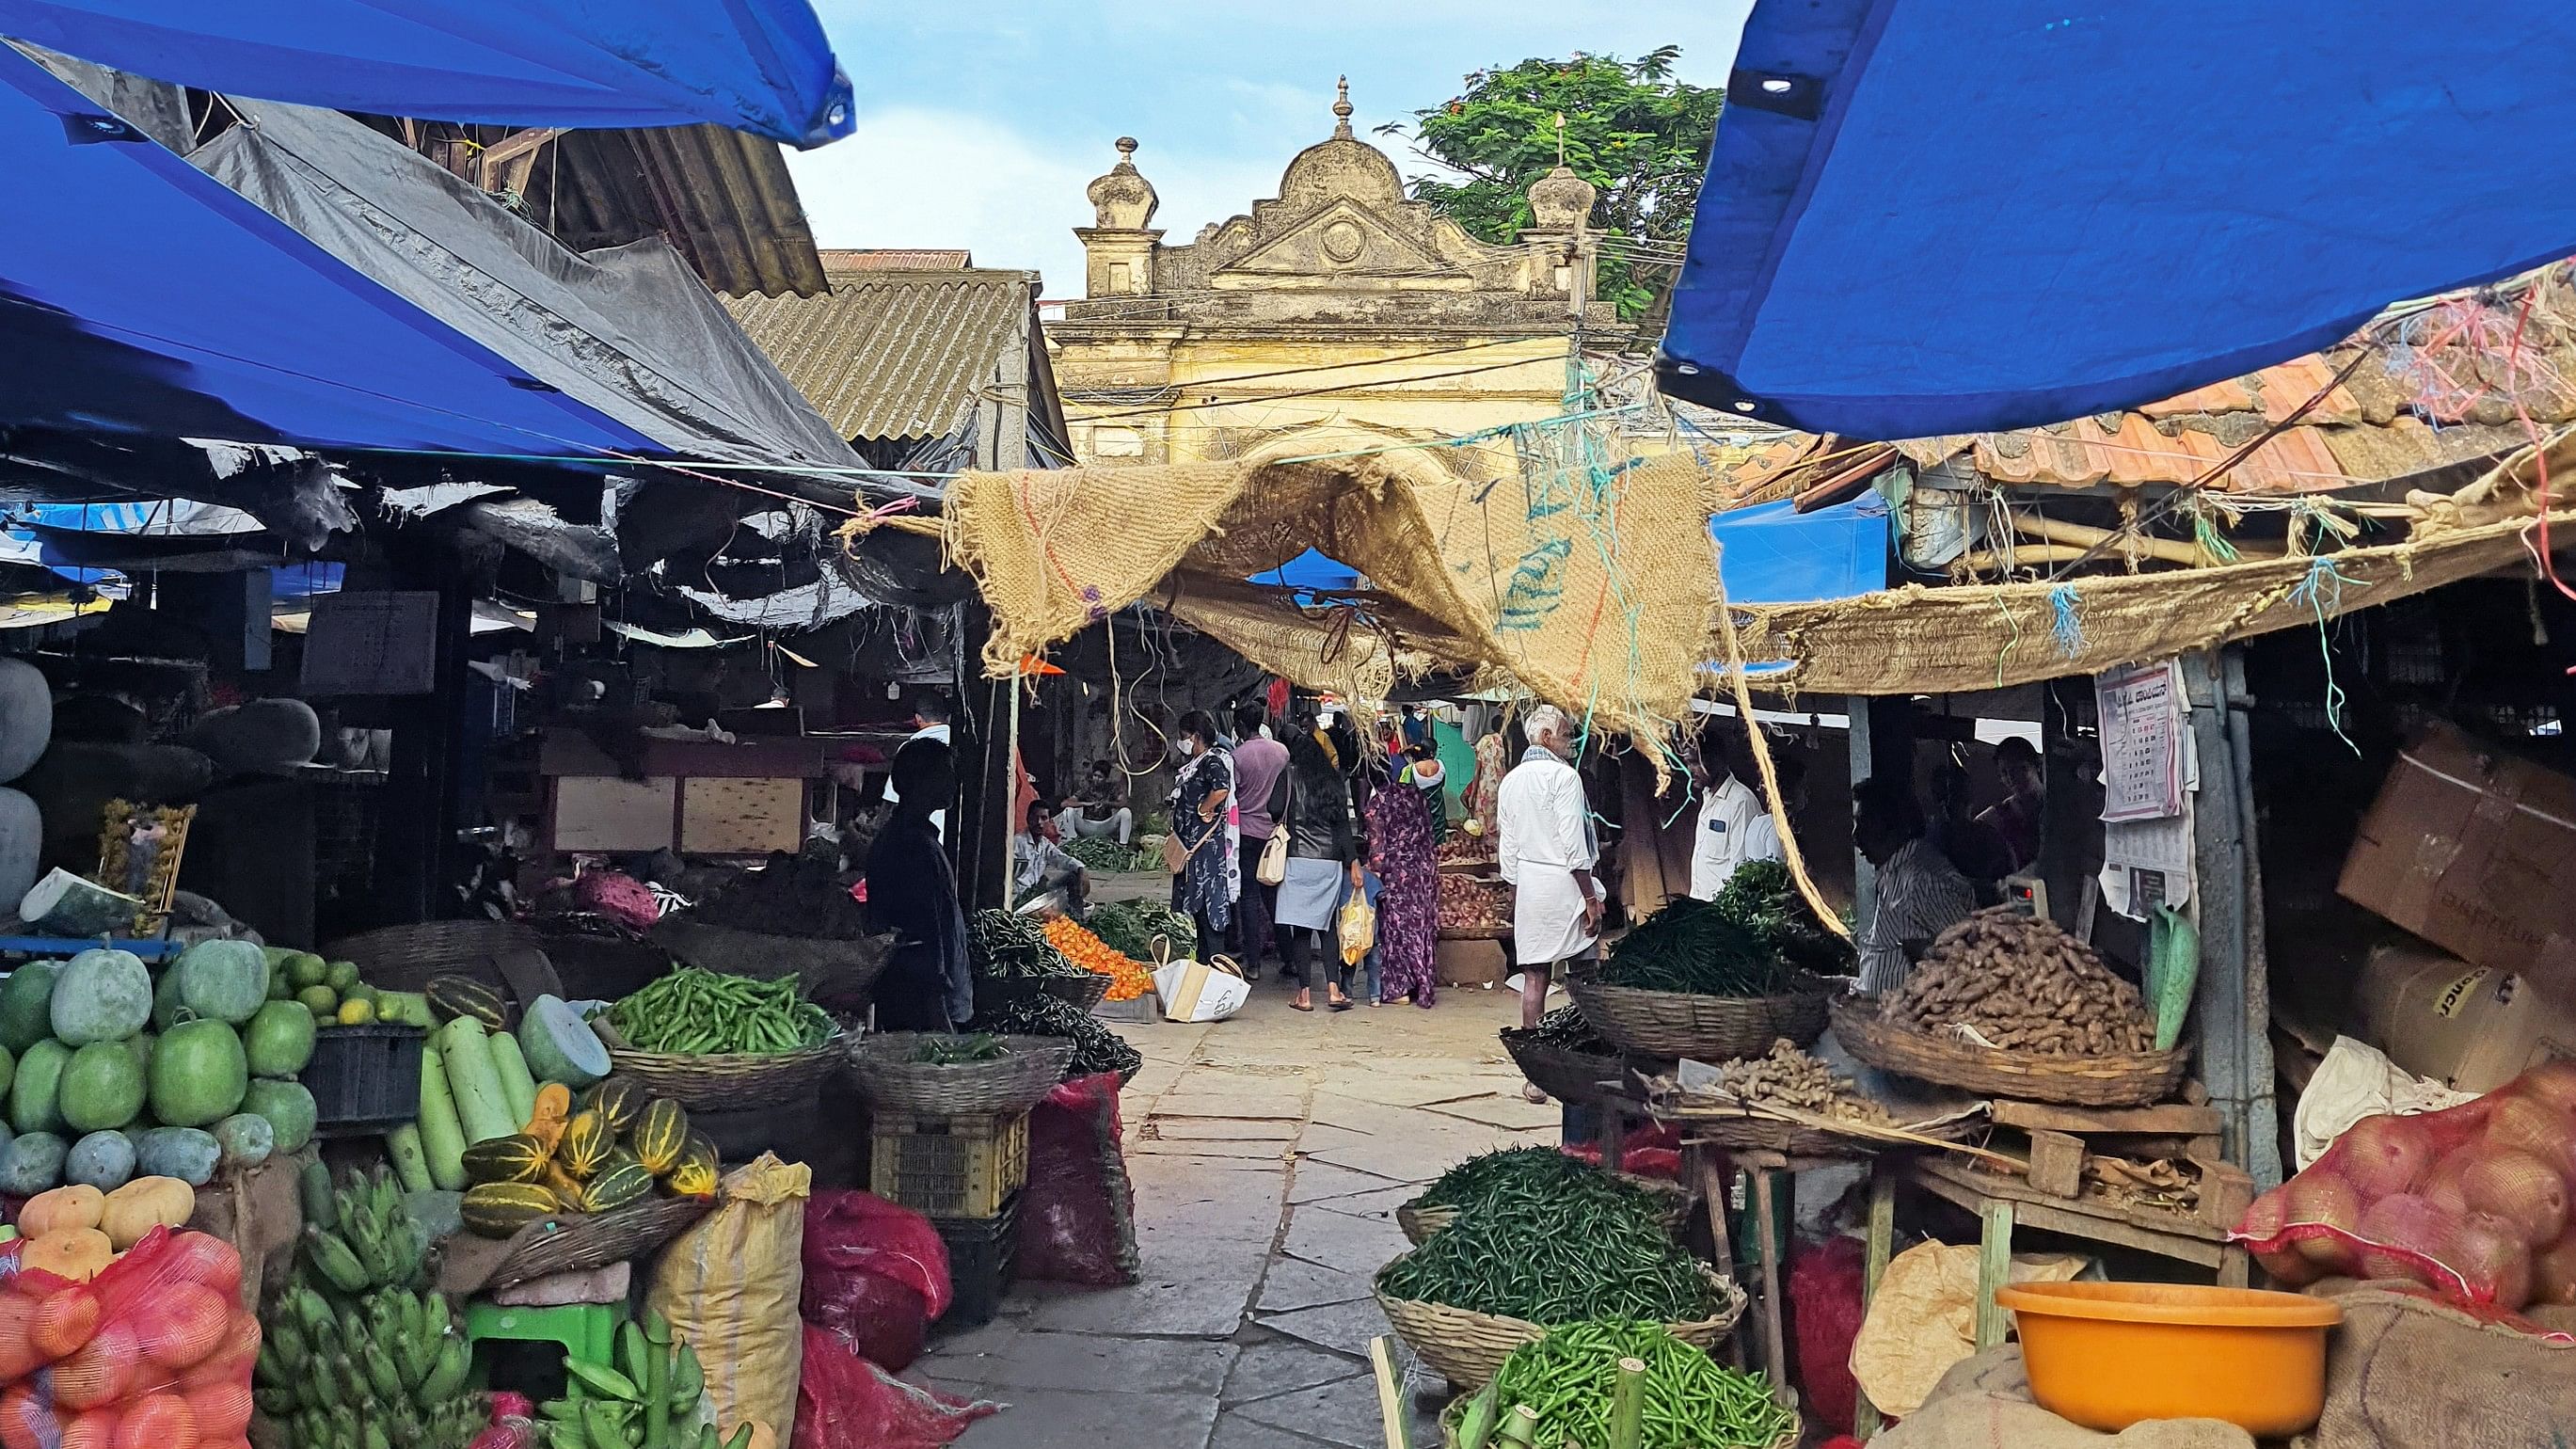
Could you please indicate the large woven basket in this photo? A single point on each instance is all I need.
(1770, 1134)
(1449, 1417)
(403, 958)
(731, 1081)
(574, 1241)
(1082, 993)
(1466, 1348)
(1419, 1223)
(836, 974)
(892, 1081)
(1706, 1028)
(1568, 1076)
(2109, 1079)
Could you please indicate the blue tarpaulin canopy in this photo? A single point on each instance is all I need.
(1951, 216)
(1773, 554)
(754, 65)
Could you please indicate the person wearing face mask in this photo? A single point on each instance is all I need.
(1322, 846)
(1205, 882)
(1403, 836)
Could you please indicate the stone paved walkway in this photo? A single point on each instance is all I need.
(1268, 1154)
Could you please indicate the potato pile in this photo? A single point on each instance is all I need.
(1789, 1077)
(2024, 985)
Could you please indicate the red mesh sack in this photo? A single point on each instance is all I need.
(2471, 1202)
(876, 1273)
(1825, 1292)
(1078, 1213)
(154, 1352)
(845, 1402)
(1654, 1152)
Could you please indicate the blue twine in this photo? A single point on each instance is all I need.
(2069, 629)
(2322, 592)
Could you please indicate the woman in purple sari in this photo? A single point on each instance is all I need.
(1401, 851)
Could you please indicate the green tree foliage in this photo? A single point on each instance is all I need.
(1631, 129)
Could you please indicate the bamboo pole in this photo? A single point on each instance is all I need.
(2146, 545)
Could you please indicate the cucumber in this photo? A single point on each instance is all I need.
(411, 1159)
(465, 1049)
(442, 1137)
(518, 1084)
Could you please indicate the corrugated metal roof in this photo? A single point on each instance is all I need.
(897, 259)
(894, 354)
(723, 197)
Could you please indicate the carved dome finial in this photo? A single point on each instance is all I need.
(1342, 108)
(1123, 200)
(1561, 200)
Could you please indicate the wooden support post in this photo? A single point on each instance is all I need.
(2232, 1002)
(1775, 1352)
(1879, 1246)
(1994, 1270)
(2056, 1163)
(1612, 1134)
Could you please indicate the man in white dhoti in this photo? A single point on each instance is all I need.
(1547, 849)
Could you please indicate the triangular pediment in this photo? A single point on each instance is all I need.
(1344, 238)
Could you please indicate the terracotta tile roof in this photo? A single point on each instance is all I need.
(894, 354)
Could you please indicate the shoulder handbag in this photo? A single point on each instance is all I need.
(1273, 867)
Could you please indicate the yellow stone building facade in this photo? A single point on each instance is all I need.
(1335, 316)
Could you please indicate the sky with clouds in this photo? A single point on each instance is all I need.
(980, 123)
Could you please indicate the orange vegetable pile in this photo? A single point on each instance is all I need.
(1128, 977)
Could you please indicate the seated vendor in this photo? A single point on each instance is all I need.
(1920, 893)
(912, 891)
(1040, 863)
(1099, 809)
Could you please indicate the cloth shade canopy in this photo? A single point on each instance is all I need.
(755, 65)
(2095, 210)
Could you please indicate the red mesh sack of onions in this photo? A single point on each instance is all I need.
(2471, 1202)
(153, 1352)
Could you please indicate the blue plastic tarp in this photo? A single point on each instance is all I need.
(1950, 216)
(138, 294)
(756, 65)
(1311, 570)
(1774, 554)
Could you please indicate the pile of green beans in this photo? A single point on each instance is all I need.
(1010, 946)
(1531, 1175)
(1690, 946)
(1691, 1402)
(695, 1012)
(1560, 1259)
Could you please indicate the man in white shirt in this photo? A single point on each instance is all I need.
(1734, 825)
(1547, 850)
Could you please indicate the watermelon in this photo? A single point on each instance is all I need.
(104, 1160)
(560, 1046)
(167, 1003)
(104, 995)
(181, 1152)
(102, 1088)
(26, 1004)
(247, 1139)
(199, 1074)
(279, 1039)
(22, 843)
(224, 981)
(288, 1107)
(31, 1163)
(32, 1100)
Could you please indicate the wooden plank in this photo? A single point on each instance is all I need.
(722, 815)
(603, 812)
(1880, 1245)
(2170, 1119)
(2057, 1164)
(1970, 1189)
(1994, 1270)
(1775, 1352)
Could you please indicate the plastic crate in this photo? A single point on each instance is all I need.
(983, 1257)
(949, 1167)
(364, 1078)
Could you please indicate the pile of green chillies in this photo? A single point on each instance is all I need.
(1569, 1377)
(1551, 1259)
(695, 1012)
(1692, 947)
(1525, 1174)
(1010, 946)
(1566, 1029)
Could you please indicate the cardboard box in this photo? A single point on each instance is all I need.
(1469, 963)
(2472, 1027)
(2473, 850)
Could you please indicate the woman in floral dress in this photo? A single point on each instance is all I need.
(1400, 851)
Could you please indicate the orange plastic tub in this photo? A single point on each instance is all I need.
(2108, 1355)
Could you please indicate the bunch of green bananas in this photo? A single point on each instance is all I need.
(633, 1404)
(357, 1353)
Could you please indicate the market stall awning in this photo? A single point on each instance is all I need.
(1773, 554)
(2094, 211)
(755, 65)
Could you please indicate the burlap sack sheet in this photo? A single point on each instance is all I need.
(1985, 1403)
(2406, 1372)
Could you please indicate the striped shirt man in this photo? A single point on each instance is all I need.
(1920, 895)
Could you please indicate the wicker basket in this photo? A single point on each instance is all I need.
(1082, 993)
(1789, 1437)
(2110, 1079)
(1707, 1028)
(1466, 1348)
(732, 1081)
(1770, 1134)
(893, 1082)
(403, 958)
(575, 1241)
(1475, 933)
(837, 975)
(1568, 1076)
(1420, 1223)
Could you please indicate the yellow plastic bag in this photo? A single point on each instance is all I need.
(730, 1287)
(1358, 929)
